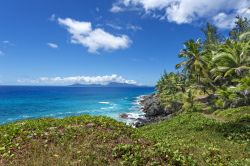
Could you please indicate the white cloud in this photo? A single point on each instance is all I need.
(76, 27)
(116, 9)
(244, 11)
(77, 79)
(224, 21)
(188, 11)
(52, 45)
(94, 39)
(128, 27)
(134, 27)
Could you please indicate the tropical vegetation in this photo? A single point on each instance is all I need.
(214, 72)
(191, 138)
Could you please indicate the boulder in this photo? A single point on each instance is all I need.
(124, 116)
(152, 107)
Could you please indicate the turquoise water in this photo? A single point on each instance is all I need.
(24, 102)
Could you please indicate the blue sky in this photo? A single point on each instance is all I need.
(61, 42)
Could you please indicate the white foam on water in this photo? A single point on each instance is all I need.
(133, 115)
(137, 102)
(104, 102)
(136, 112)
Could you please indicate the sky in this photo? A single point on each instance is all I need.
(60, 42)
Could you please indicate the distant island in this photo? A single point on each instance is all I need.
(111, 84)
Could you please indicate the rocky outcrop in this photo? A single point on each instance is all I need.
(152, 109)
(152, 119)
(151, 106)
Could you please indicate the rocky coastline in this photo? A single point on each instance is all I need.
(152, 111)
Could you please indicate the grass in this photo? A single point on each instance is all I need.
(208, 140)
(187, 139)
(69, 141)
(237, 114)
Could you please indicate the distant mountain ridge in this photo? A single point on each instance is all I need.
(111, 84)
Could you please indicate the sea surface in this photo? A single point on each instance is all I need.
(27, 102)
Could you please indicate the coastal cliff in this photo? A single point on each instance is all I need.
(154, 111)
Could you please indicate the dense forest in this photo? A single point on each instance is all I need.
(214, 73)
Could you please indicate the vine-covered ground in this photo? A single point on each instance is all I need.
(221, 138)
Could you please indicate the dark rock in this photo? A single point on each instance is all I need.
(152, 107)
(149, 120)
(154, 111)
(138, 124)
(124, 116)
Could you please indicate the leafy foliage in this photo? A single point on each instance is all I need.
(219, 139)
(216, 67)
(187, 139)
(232, 59)
(241, 26)
(194, 64)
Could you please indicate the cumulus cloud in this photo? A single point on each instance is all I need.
(222, 12)
(94, 39)
(224, 21)
(52, 45)
(77, 79)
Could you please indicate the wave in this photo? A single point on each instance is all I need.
(104, 102)
(133, 115)
(107, 108)
(137, 103)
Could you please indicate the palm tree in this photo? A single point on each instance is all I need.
(245, 36)
(212, 38)
(231, 59)
(194, 63)
(244, 89)
(171, 83)
(226, 96)
(242, 25)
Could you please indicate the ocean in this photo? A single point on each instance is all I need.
(28, 102)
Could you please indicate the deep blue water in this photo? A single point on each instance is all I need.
(24, 102)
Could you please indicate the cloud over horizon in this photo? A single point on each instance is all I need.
(94, 39)
(221, 12)
(77, 79)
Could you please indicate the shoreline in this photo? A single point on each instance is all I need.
(151, 112)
